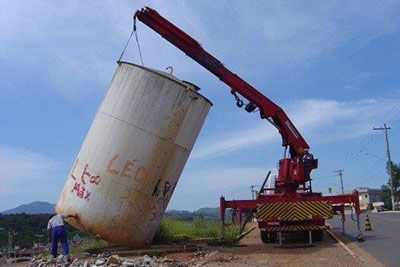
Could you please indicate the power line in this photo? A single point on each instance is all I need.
(367, 171)
(350, 157)
(396, 121)
(367, 145)
(362, 183)
(334, 184)
(326, 176)
(367, 179)
(394, 115)
(356, 182)
(374, 155)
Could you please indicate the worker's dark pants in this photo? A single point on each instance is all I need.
(307, 171)
(59, 232)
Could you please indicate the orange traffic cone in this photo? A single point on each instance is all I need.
(367, 224)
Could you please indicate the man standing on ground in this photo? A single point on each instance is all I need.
(57, 231)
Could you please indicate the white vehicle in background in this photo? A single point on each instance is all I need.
(378, 206)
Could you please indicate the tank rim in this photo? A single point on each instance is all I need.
(160, 73)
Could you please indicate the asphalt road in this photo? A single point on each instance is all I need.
(383, 242)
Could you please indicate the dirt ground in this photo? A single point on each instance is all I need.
(252, 252)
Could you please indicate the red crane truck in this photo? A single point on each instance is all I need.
(291, 205)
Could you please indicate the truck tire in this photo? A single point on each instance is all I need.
(267, 237)
(317, 235)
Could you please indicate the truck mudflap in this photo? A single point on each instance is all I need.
(294, 211)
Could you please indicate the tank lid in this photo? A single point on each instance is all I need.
(167, 75)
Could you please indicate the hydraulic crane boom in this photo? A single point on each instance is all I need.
(291, 168)
(268, 109)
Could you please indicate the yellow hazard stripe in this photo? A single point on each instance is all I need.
(294, 211)
(294, 228)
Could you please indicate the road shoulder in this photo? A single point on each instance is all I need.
(354, 249)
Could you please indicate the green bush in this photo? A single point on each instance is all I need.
(171, 229)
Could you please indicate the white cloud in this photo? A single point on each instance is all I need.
(19, 165)
(359, 79)
(318, 120)
(299, 35)
(72, 47)
(233, 141)
(27, 176)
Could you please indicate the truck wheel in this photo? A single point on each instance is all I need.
(267, 237)
(317, 235)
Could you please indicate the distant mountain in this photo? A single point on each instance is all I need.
(208, 212)
(184, 214)
(180, 214)
(36, 207)
(39, 207)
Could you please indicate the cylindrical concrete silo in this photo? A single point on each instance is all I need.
(133, 155)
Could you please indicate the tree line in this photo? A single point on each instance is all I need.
(28, 229)
(385, 189)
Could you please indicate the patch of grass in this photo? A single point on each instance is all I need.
(88, 244)
(171, 229)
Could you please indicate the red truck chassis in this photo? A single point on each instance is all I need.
(293, 212)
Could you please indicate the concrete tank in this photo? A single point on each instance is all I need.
(130, 162)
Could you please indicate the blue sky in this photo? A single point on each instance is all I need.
(332, 65)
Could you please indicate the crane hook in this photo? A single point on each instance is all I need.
(170, 69)
(239, 102)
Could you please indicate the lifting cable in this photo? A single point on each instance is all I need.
(137, 42)
(137, 39)
(239, 102)
(126, 45)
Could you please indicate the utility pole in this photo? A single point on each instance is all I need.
(385, 130)
(340, 173)
(252, 191)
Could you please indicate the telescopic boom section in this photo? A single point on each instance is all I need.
(268, 109)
